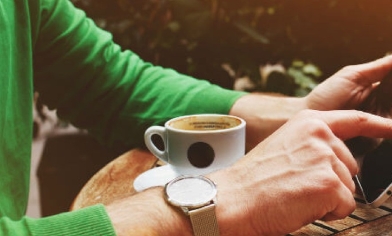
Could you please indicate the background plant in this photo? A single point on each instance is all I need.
(197, 37)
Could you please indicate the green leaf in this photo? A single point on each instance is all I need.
(312, 70)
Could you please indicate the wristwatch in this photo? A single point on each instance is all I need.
(196, 197)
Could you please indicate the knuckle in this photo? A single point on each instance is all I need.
(361, 119)
(311, 123)
(326, 183)
(317, 128)
(330, 183)
(347, 209)
(352, 205)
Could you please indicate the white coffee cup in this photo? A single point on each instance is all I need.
(199, 144)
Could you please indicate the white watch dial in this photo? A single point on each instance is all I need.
(191, 191)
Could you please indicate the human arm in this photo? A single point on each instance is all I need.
(70, 98)
(346, 89)
(93, 83)
(111, 92)
(301, 173)
(126, 95)
(84, 222)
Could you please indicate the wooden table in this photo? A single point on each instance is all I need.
(363, 221)
(115, 180)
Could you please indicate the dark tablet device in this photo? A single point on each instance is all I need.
(375, 176)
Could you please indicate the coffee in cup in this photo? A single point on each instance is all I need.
(199, 144)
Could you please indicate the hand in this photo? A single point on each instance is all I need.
(349, 87)
(301, 173)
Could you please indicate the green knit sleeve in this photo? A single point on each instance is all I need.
(85, 222)
(113, 93)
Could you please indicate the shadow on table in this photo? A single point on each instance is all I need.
(68, 161)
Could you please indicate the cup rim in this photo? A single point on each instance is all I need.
(239, 126)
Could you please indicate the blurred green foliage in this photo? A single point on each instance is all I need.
(196, 37)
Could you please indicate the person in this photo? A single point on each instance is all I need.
(298, 169)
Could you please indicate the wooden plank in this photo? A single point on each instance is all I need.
(364, 212)
(342, 224)
(382, 226)
(115, 180)
(312, 230)
(363, 215)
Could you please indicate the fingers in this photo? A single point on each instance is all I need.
(345, 205)
(367, 73)
(346, 124)
(346, 167)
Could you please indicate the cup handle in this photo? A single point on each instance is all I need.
(161, 131)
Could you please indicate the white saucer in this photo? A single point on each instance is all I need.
(158, 176)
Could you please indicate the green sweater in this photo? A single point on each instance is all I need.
(50, 47)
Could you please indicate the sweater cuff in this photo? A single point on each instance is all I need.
(87, 221)
(214, 99)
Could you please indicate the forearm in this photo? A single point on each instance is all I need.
(265, 113)
(147, 213)
(114, 94)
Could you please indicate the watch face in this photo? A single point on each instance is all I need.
(189, 191)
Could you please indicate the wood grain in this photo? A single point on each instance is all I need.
(115, 180)
(363, 221)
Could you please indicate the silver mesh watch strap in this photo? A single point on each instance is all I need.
(204, 221)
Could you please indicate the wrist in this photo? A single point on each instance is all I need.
(196, 197)
(147, 213)
(265, 113)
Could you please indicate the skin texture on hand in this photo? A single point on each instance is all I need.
(350, 86)
(301, 173)
(346, 89)
(147, 213)
(264, 114)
